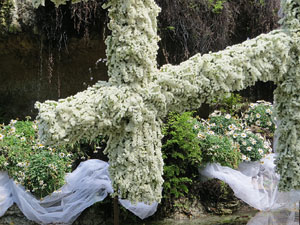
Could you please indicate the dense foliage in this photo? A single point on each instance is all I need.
(40, 169)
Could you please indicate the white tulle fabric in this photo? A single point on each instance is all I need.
(88, 184)
(256, 183)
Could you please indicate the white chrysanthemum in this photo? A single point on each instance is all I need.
(211, 132)
(249, 148)
(23, 138)
(212, 124)
(196, 126)
(235, 135)
(243, 135)
(231, 127)
(227, 116)
(260, 151)
(258, 115)
(257, 122)
(39, 145)
(201, 136)
(247, 159)
(1, 137)
(244, 143)
(12, 122)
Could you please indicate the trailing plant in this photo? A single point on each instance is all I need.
(40, 169)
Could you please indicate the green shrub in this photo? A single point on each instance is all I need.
(40, 169)
(181, 153)
(223, 124)
(216, 147)
(252, 146)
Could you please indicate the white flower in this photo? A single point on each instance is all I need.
(247, 159)
(20, 164)
(215, 113)
(1, 137)
(40, 145)
(261, 152)
(201, 136)
(34, 126)
(212, 125)
(23, 139)
(12, 130)
(244, 157)
(12, 122)
(61, 154)
(246, 116)
(228, 116)
(235, 135)
(269, 123)
(258, 115)
(196, 126)
(257, 122)
(253, 141)
(243, 135)
(244, 143)
(268, 111)
(211, 132)
(6, 164)
(252, 105)
(41, 182)
(249, 148)
(231, 127)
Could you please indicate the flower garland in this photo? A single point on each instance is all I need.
(130, 106)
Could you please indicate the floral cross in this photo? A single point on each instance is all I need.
(129, 107)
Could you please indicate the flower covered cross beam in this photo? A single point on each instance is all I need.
(129, 107)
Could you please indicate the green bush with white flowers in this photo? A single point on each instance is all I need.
(40, 169)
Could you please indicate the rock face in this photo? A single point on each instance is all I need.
(31, 72)
(14, 216)
(94, 215)
(46, 53)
